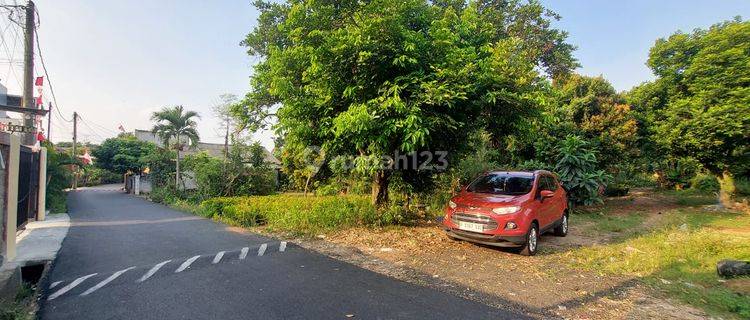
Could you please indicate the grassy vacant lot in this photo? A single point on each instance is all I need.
(677, 254)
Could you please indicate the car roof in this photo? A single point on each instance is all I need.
(521, 173)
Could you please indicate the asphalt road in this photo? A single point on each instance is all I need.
(127, 258)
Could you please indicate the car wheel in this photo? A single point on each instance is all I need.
(532, 241)
(562, 229)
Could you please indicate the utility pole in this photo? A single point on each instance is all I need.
(75, 155)
(28, 73)
(49, 122)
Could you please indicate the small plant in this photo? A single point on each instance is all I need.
(704, 182)
(576, 167)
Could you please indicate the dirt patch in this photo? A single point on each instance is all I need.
(739, 285)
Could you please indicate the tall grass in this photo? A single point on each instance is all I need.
(294, 213)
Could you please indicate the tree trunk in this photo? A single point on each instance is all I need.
(226, 143)
(380, 188)
(307, 183)
(177, 165)
(726, 189)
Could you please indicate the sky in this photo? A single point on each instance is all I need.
(116, 62)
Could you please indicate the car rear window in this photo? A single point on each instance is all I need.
(502, 183)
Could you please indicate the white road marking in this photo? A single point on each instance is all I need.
(282, 246)
(186, 264)
(153, 270)
(54, 284)
(243, 253)
(262, 249)
(70, 286)
(105, 281)
(217, 258)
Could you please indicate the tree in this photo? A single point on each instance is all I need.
(176, 123)
(590, 107)
(122, 154)
(702, 91)
(223, 111)
(373, 78)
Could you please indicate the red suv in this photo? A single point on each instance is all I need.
(508, 209)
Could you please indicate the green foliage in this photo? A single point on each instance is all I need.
(742, 185)
(93, 176)
(22, 307)
(294, 213)
(590, 108)
(176, 123)
(372, 78)
(676, 173)
(700, 102)
(243, 173)
(161, 166)
(122, 154)
(59, 177)
(576, 167)
(705, 182)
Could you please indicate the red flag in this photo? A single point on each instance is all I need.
(121, 128)
(39, 81)
(40, 136)
(39, 101)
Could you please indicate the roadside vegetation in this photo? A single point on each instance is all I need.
(21, 307)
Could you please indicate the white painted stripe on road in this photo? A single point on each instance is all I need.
(70, 286)
(217, 258)
(262, 249)
(243, 253)
(153, 270)
(105, 281)
(186, 264)
(54, 284)
(282, 246)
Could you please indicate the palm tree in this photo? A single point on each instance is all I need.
(175, 123)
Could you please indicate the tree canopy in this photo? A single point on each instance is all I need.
(122, 154)
(699, 104)
(371, 78)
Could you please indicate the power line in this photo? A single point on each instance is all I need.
(46, 74)
(89, 123)
(11, 53)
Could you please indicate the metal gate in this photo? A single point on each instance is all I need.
(28, 186)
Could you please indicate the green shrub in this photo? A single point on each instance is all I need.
(705, 182)
(576, 166)
(59, 178)
(330, 189)
(234, 176)
(295, 213)
(94, 176)
(742, 186)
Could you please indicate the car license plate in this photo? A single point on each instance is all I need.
(469, 226)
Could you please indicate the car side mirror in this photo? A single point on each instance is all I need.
(546, 194)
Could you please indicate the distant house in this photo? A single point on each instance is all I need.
(212, 149)
(11, 101)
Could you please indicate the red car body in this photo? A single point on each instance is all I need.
(503, 210)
